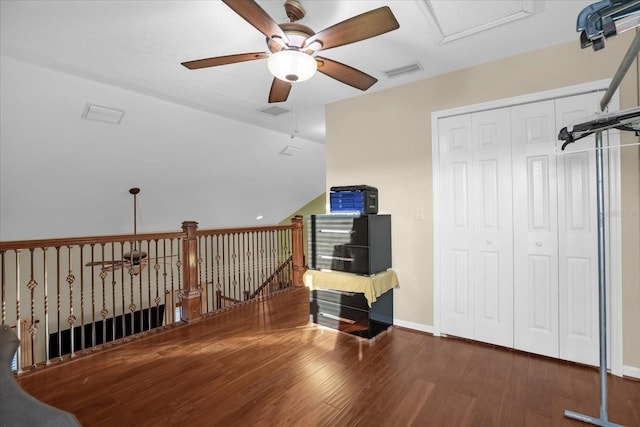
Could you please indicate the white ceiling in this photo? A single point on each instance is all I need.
(139, 45)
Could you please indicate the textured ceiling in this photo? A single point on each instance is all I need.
(139, 45)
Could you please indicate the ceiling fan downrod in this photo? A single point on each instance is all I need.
(294, 10)
(134, 191)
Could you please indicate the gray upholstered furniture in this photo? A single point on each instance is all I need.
(17, 408)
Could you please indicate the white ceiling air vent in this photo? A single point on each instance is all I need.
(274, 110)
(289, 150)
(102, 114)
(394, 72)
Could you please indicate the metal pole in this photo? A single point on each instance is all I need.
(628, 59)
(602, 297)
(624, 66)
(602, 278)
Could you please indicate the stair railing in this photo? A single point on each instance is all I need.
(77, 295)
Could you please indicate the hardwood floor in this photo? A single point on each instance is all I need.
(265, 365)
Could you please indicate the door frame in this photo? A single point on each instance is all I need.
(614, 226)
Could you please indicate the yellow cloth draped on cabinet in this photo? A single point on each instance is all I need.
(372, 286)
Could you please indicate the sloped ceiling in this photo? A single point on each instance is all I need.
(197, 142)
(139, 45)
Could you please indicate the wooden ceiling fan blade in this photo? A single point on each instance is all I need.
(165, 259)
(279, 90)
(92, 263)
(106, 265)
(256, 16)
(155, 261)
(224, 60)
(162, 257)
(345, 74)
(112, 267)
(360, 27)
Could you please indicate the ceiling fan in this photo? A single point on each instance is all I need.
(134, 261)
(293, 47)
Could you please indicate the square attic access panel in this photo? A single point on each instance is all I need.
(458, 19)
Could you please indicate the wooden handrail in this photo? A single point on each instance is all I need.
(83, 241)
(218, 231)
(270, 278)
(220, 298)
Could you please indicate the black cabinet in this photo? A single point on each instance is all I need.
(353, 244)
(349, 312)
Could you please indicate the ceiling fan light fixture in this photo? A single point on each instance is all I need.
(291, 65)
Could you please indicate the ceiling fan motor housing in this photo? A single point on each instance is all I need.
(297, 34)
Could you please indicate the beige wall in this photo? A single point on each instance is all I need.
(383, 139)
(316, 206)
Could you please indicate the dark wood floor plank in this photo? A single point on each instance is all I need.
(559, 404)
(533, 419)
(513, 404)
(486, 411)
(436, 358)
(560, 380)
(434, 411)
(405, 412)
(635, 408)
(538, 368)
(266, 365)
(587, 397)
(498, 360)
(358, 379)
(538, 396)
(457, 411)
(470, 383)
(619, 408)
(632, 389)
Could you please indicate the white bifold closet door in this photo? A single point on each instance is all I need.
(555, 235)
(578, 236)
(535, 225)
(478, 260)
(519, 238)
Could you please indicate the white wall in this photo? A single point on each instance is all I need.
(63, 176)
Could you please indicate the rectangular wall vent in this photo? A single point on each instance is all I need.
(402, 70)
(102, 114)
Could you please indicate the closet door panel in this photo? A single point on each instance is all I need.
(457, 205)
(461, 292)
(578, 240)
(492, 223)
(535, 228)
(520, 251)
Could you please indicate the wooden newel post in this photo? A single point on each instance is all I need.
(298, 252)
(190, 297)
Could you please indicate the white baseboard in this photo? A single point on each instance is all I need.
(627, 371)
(412, 325)
(631, 371)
